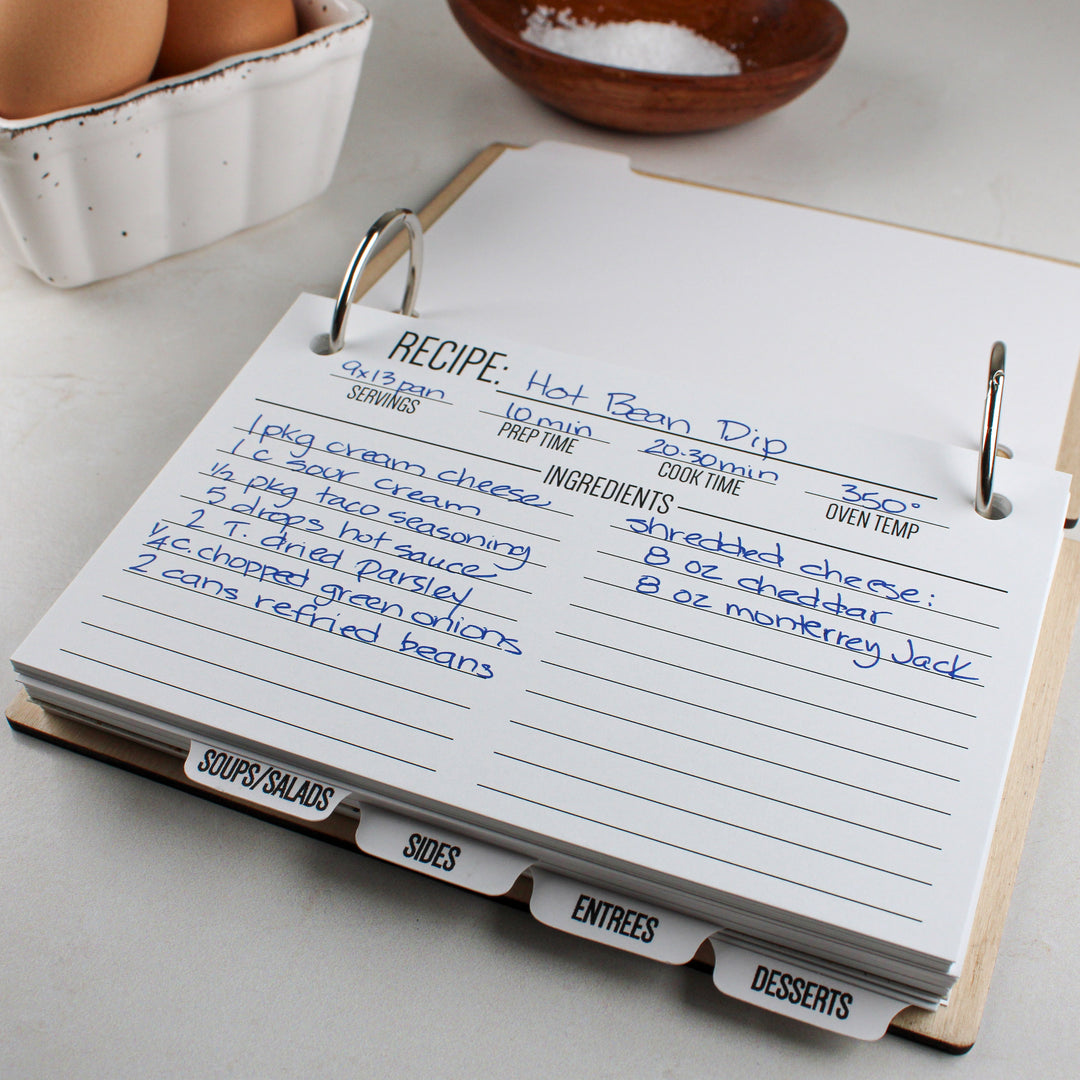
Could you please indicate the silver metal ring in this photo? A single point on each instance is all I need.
(360, 259)
(986, 502)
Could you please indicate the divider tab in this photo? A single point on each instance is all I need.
(255, 780)
(438, 852)
(818, 998)
(611, 918)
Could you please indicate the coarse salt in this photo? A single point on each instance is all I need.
(639, 45)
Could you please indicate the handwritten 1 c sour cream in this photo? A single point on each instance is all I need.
(638, 45)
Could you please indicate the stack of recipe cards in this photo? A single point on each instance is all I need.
(703, 669)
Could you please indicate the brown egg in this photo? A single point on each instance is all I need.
(55, 54)
(200, 32)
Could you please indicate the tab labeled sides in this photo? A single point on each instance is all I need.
(438, 852)
(816, 998)
(275, 787)
(635, 926)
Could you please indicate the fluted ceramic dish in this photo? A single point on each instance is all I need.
(92, 192)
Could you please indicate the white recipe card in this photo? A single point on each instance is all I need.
(709, 641)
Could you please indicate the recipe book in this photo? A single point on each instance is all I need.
(706, 668)
(753, 680)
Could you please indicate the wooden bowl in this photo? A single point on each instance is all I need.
(784, 47)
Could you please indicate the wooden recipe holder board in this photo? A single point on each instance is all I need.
(952, 1027)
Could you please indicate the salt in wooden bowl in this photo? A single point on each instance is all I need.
(784, 47)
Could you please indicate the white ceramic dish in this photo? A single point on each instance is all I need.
(92, 192)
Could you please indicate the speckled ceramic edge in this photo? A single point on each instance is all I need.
(90, 193)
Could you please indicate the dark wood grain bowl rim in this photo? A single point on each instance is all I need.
(834, 23)
(653, 102)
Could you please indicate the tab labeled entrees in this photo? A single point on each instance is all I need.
(636, 926)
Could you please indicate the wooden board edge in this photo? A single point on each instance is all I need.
(955, 1026)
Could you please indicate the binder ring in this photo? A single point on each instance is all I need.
(325, 344)
(987, 503)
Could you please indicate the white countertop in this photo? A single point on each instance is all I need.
(150, 933)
